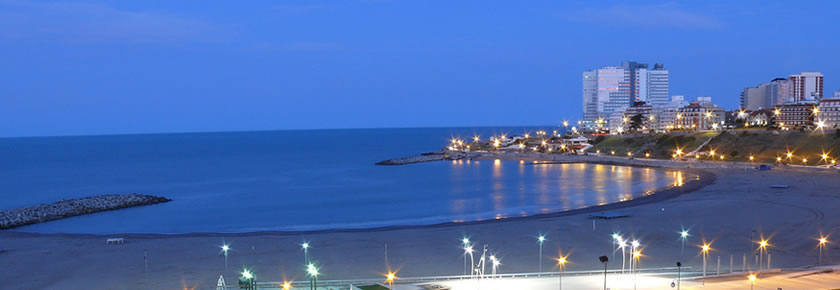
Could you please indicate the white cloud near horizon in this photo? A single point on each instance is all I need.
(88, 22)
(665, 15)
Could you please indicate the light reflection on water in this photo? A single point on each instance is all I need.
(519, 188)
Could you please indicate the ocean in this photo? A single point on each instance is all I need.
(296, 180)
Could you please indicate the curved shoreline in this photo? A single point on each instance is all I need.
(702, 179)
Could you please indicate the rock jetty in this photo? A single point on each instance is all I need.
(425, 157)
(12, 218)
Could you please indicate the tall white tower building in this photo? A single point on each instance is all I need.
(807, 86)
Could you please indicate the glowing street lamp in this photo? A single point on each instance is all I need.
(820, 124)
(390, 277)
(752, 158)
(683, 236)
(762, 248)
(249, 279)
(225, 249)
(476, 138)
(287, 285)
(804, 161)
(541, 240)
(305, 247)
(312, 271)
(752, 279)
(496, 263)
(468, 250)
(823, 241)
(705, 251)
(634, 246)
(466, 243)
(561, 263)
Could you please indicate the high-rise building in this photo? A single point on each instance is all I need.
(756, 98)
(807, 87)
(768, 95)
(590, 97)
(652, 85)
(612, 89)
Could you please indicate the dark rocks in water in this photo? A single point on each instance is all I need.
(12, 218)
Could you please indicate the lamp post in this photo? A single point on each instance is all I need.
(635, 246)
(762, 248)
(636, 256)
(466, 242)
(752, 279)
(541, 240)
(390, 279)
(312, 271)
(225, 249)
(705, 251)
(622, 245)
(305, 247)
(683, 237)
(247, 281)
(496, 263)
(605, 260)
(561, 262)
(823, 241)
(469, 250)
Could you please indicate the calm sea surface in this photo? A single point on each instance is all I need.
(296, 180)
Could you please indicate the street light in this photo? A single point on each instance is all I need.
(468, 250)
(287, 285)
(496, 263)
(541, 239)
(634, 246)
(561, 262)
(762, 248)
(752, 279)
(705, 251)
(466, 242)
(683, 237)
(823, 241)
(312, 271)
(225, 249)
(248, 280)
(390, 277)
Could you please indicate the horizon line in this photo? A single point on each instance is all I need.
(265, 130)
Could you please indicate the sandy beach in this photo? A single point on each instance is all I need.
(736, 208)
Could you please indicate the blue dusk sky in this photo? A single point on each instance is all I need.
(107, 67)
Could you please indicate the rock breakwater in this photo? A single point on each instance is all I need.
(425, 157)
(12, 218)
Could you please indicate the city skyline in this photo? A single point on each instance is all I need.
(109, 68)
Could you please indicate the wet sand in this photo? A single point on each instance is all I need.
(735, 208)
